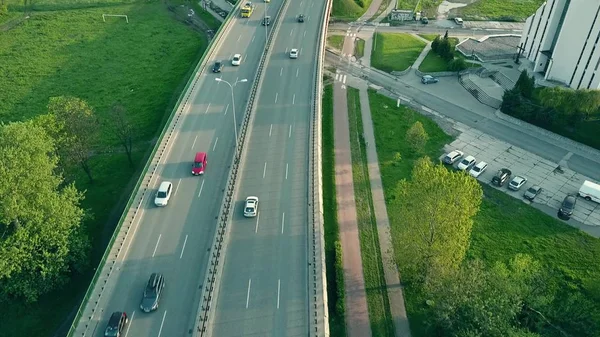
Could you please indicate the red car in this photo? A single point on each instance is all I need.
(200, 162)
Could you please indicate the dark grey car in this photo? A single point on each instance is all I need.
(152, 293)
(532, 192)
(568, 206)
(426, 79)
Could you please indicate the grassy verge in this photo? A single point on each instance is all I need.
(336, 41)
(359, 48)
(429, 37)
(498, 10)
(333, 250)
(349, 10)
(206, 17)
(395, 52)
(503, 227)
(377, 299)
(428, 7)
(59, 53)
(382, 6)
(434, 63)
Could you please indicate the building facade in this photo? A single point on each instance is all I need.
(561, 40)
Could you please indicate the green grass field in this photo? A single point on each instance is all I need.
(377, 299)
(498, 10)
(504, 226)
(434, 63)
(395, 52)
(143, 65)
(359, 48)
(336, 41)
(429, 37)
(349, 10)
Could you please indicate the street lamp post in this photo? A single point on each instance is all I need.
(233, 104)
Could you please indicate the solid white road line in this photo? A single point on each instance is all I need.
(290, 132)
(216, 140)
(286, 170)
(137, 225)
(257, 219)
(208, 107)
(278, 291)
(282, 222)
(248, 295)
(194, 143)
(183, 248)
(276, 94)
(265, 170)
(226, 108)
(130, 321)
(155, 247)
(177, 187)
(201, 187)
(162, 323)
(294, 99)
(270, 130)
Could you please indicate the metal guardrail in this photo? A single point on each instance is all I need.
(317, 282)
(211, 285)
(130, 212)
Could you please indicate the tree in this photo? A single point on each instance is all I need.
(457, 64)
(435, 44)
(525, 85)
(40, 217)
(122, 129)
(436, 208)
(79, 130)
(445, 50)
(417, 137)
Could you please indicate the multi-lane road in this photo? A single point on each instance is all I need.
(174, 240)
(264, 288)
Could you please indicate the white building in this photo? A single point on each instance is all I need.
(561, 40)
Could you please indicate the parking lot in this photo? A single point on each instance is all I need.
(556, 181)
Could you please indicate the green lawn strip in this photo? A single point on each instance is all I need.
(429, 37)
(395, 51)
(377, 299)
(336, 41)
(504, 225)
(359, 48)
(498, 10)
(349, 10)
(333, 253)
(434, 63)
(143, 65)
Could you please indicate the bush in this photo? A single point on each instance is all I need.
(457, 64)
(339, 275)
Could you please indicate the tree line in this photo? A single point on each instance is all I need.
(462, 296)
(42, 223)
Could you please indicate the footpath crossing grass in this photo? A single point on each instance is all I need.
(395, 51)
(504, 225)
(377, 299)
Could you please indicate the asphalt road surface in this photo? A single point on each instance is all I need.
(174, 240)
(264, 290)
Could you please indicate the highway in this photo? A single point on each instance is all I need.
(174, 240)
(263, 289)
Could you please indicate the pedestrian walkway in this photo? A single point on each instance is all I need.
(387, 11)
(371, 11)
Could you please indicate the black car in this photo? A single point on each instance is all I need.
(301, 18)
(266, 21)
(501, 177)
(116, 324)
(217, 67)
(424, 20)
(568, 205)
(152, 292)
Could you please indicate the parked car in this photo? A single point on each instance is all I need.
(251, 207)
(217, 67)
(517, 182)
(458, 21)
(568, 206)
(424, 20)
(466, 164)
(152, 292)
(301, 18)
(116, 324)
(163, 194)
(266, 21)
(532, 192)
(426, 79)
(478, 169)
(452, 157)
(501, 177)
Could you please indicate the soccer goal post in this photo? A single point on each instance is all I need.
(118, 15)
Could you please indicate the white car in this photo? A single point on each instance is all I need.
(517, 182)
(478, 169)
(466, 164)
(251, 207)
(294, 53)
(452, 157)
(163, 194)
(237, 60)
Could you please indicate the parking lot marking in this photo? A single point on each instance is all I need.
(248, 294)
(183, 248)
(201, 187)
(155, 247)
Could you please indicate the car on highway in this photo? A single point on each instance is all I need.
(294, 53)
(466, 164)
(163, 194)
(200, 162)
(452, 157)
(517, 183)
(266, 21)
(152, 292)
(116, 324)
(251, 207)
(217, 67)
(501, 177)
(236, 60)
(426, 79)
(532, 192)
(301, 18)
(478, 169)
(567, 207)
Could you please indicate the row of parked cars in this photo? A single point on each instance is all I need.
(475, 169)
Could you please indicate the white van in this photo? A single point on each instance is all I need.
(458, 21)
(590, 191)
